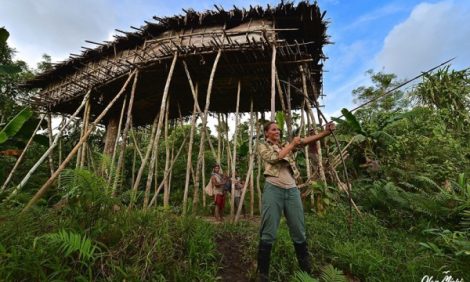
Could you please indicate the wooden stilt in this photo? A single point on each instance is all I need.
(234, 158)
(166, 185)
(149, 151)
(203, 133)
(273, 84)
(251, 151)
(49, 134)
(114, 139)
(249, 173)
(48, 183)
(122, 149)
(180, 149)
(190, 149)
(86, 121)
(158, 133)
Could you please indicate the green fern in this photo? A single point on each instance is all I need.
(69, 243)
(331, 274)
(300, 276)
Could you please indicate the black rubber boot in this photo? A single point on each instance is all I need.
(264, 255)
(303, 257)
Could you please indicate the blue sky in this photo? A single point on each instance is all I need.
(399, 36)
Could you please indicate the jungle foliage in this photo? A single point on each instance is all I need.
(408, 160)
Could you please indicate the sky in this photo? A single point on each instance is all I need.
(404, 37)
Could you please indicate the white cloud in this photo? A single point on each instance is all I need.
(431, 34)
(55, 27)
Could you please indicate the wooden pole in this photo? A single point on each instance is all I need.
(122, 149)
(54, 144)
(190, 149)
(248, 174)
(258, 163)
(23, 153)
(273, 84)
(86, 121)
(158, 133)
(49, 134)
(234, 158)
(115, 143)
(251, 151)
(48, 183)
(144, 162)
(203, 133)
(166, 185)
(154, 198)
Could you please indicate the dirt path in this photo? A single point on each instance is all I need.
(234, 266)
(233, 249)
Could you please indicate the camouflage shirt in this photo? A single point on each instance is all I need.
(269, 152)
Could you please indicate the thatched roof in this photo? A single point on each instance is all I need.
(246, 37)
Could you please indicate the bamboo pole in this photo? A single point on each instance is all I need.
(49, 134)
(203, 133)
(86, 121)
(122, 149)
(203, 181)
(251, 151)
(145, 160)
(229, 152)
(23, 153)
(198, 109)
(234, 158)
(190, 149)
(54, 144)
(318, 155)
(286, 106)
(249, 173)
(166, 174)
(115, 145)
(48, 183)
(289, 108)
(273, 84)
(166, 185)
(258, 163)
(219, 140)
(158, 132)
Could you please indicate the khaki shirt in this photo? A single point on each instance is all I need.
(272, 164)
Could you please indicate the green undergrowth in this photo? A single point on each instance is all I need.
(127, 245)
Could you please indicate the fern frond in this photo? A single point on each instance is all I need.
(331, 274)
(300, 276)
(68, 243)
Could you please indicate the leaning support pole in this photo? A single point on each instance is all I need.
(203, 133)
(250, 168)
(234, 158)
(54, 144)
(125, 132)
(250, 150)
(167, 173)
(49, 182)
(190, 149)
(144, 162)
(20, 158)
(273, 84)
(113, 157)
(161, 117)
(49, 134)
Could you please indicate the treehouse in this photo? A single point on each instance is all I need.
(190, 65)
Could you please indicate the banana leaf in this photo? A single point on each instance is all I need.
(15, 124)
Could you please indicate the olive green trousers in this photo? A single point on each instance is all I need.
(277, 201)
